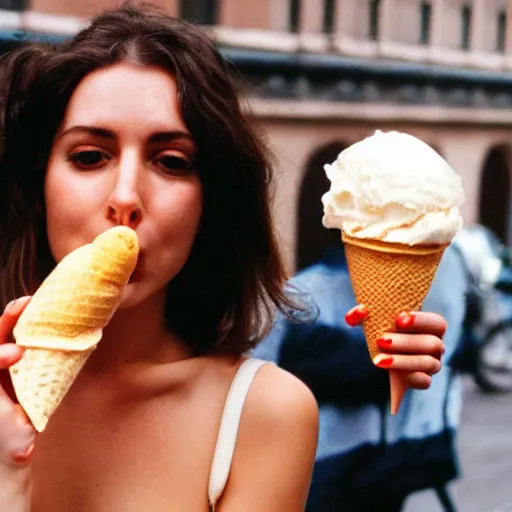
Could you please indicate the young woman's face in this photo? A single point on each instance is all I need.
(123, 155)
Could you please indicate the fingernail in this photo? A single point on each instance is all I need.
(356, 315)
(384, 342)
(15, 302)
(404, 320)
(24, 456)
(382, 361)
(10, 304)
(10, 350)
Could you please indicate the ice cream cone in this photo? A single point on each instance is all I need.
(389, 278)
(64, 321)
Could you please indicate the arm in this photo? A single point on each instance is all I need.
(276, 446)
(16, 434)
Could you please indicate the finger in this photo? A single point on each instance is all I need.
(421, 322)
(410, 363)
(401, 343)
(9, 354)
(418, 380)
(10, 316)
(357, 315)
(21, 416)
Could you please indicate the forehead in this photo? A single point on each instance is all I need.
(125, 95)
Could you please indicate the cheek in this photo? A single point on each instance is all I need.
(67, 206)
(71, 196)
(184, 210)
(60, 202)
(194, 210)
(175, 219)
(178, 223)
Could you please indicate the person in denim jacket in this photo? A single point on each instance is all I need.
(368, 460)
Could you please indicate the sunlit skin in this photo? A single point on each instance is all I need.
(126, 159)
(138, 428)
(416, 345)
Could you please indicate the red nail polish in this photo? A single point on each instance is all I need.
(356, 315)
(25, 456)
(385, 363)
(384, 342)
(404, 320)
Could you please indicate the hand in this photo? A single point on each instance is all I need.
(17, 436)
(416, 347)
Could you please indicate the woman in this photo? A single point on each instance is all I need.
(135, 121)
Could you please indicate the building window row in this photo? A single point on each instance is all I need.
(206, 12)
(425, 24)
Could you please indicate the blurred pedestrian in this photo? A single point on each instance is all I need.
(368, 460)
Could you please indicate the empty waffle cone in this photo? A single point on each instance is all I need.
(64, 321)
(389, 278)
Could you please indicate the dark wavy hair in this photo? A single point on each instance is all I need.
(224, 298)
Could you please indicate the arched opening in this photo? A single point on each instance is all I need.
(494, 205)
(312, 237)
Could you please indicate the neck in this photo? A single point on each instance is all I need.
(137, 335)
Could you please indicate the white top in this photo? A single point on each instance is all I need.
(228, 431)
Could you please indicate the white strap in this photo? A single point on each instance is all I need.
(228, 431)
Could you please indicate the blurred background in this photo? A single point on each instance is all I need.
(322, 74)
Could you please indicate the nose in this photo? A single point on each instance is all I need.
(124, 215)
(124, 206)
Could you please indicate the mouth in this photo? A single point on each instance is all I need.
(138, 268)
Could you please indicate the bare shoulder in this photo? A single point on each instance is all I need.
(277, 396)
(276, 445)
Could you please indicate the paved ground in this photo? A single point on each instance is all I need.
(485, 443)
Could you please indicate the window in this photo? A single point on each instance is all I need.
(425, 17)
(294, 16)
(501, 32)
(466, 14)
(13, 5)
(373, 21)
(329, 15)
(200, 11)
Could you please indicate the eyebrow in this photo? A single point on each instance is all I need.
(103, 133)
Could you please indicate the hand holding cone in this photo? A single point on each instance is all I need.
(64, 321)
(397, 203)
(389, 279)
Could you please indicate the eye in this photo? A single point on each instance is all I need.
(172, 163)
(89, 159)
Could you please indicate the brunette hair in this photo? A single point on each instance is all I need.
(225, 296)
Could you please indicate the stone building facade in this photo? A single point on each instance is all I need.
(322, 74)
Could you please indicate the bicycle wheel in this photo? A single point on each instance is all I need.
(493, 371)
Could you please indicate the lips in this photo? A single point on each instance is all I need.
(138, 268)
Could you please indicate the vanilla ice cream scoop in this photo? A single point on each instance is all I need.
(394, 188)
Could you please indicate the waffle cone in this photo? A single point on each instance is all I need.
(64, 321)
(42, 378)
(389, 278)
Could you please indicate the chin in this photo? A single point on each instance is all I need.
(137, 293)
(133, 295)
